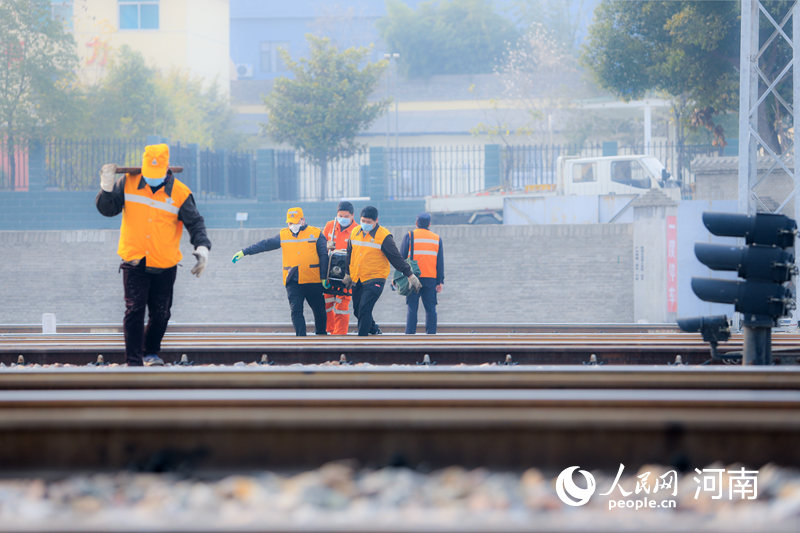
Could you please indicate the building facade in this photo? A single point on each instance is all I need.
(188, 35)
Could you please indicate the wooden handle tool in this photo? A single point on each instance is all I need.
(138, 170)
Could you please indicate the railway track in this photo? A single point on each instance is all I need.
(201, 429)
(523, 348)
(205, 422)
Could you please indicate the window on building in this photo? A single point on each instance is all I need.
(62, 12)
(270, 58)
(138, 14)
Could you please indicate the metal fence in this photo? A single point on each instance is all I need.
(531, 165)
(407, 172)
(300, 180)
(75, 165)
(435, 170)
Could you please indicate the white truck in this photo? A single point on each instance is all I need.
(623, 175)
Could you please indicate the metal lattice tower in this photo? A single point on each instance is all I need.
(755, 87)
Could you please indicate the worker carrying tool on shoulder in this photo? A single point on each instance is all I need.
(426, 248)
(155, 206)
(337, 299)
(304, 250)
(369, 253)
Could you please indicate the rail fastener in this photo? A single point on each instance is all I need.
(101, 361)
(426, 361)
(678, 361)
(593, 361)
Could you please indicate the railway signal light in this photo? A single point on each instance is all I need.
(764, 264)
(762, 228)
(714, 329)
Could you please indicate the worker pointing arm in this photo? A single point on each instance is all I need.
(303, 251)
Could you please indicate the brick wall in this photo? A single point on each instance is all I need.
(564, 273)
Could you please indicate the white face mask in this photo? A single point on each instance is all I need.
(294, 228)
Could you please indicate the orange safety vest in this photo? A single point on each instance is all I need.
(426, 251)
(366, 258)
(301, 251)
(150, 227)
(333, 230)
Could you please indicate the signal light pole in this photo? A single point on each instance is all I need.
(765, 266)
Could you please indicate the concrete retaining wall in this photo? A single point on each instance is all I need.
(564, 273)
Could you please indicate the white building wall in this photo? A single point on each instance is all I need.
(193, 36)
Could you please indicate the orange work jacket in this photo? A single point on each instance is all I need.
(426, 251)
(367, 260)
(301, 251)
(150, 227)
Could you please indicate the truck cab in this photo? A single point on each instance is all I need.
(622, 174)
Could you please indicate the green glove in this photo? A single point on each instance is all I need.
(238, 255)
(326, 284)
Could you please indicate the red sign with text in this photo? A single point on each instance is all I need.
(672, 264)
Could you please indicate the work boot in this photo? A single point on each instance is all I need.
(376, 330)
(153, 360)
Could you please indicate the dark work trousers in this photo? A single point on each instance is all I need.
(151, 290)
(428, 293)
(365, 296)
(311, 293)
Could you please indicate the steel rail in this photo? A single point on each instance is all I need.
(530, 338)
(395, 327)
(224, 428)
(421, 377)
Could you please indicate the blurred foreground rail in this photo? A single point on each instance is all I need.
(198, 429)
(208, 418)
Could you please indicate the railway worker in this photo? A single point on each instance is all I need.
(337, 301)
(304, 251)
(369, 253)
(428, 251)
(155, 206)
